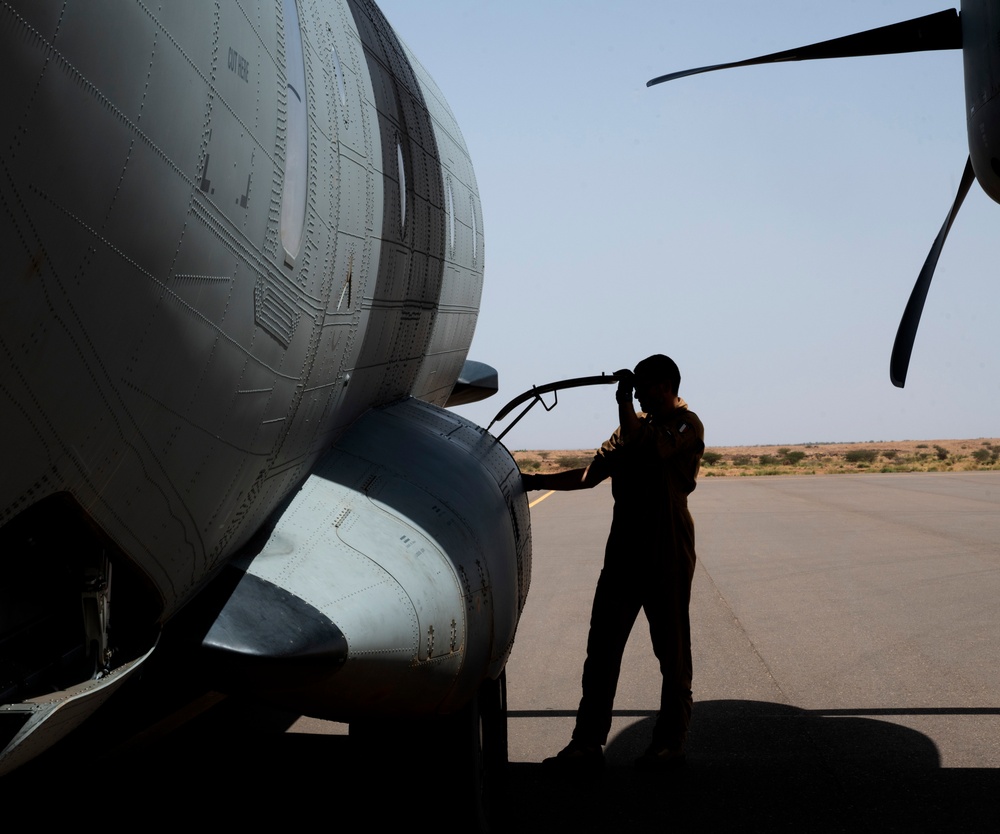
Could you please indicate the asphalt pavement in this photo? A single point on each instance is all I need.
(846, 661)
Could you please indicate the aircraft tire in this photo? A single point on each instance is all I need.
(489, 768)
(473, 747)
(493, 732)
(466, 750)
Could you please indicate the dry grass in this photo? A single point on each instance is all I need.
(810, 458)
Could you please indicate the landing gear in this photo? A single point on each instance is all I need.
(493, 744)
(410, 766)
(477, 739)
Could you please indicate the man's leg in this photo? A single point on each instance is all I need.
(616, 605)
(670, 632)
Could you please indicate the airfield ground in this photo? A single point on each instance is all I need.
(844, 633)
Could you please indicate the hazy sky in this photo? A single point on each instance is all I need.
(762, 226)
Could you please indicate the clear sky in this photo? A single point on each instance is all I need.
(762, 226)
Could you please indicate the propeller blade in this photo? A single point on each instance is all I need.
(941, 30)
(907, 332)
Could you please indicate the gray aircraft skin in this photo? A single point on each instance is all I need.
(243, 264)
(976, 31)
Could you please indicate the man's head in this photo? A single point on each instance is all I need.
(657, 379)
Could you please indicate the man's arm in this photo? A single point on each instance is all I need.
(598, 469)
(627, 418)
(569, 479)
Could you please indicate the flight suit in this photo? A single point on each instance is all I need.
(648, 563)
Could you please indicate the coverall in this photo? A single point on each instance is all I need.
(648, 563)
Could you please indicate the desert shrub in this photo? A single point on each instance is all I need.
(860, 455)
(793, 456)
(741, 460)
(921, 445)
(942, 453)
(572, 461)
(529, 464)
(768, 460)
(983, 456)
(711, 458)
(890, 454)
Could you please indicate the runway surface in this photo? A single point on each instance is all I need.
(847, 678)
(847, 667)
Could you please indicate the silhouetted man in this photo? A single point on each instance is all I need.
(652, 460)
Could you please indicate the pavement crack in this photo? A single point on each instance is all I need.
(720, 597)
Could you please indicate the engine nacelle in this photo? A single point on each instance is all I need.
(392, 582)
(981, 56)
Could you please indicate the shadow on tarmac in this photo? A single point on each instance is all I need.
(752, 766)
(755, 766)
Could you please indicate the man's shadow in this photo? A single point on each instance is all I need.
(755, 766)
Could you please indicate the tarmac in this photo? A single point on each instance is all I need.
(846, 678)
(846, 674)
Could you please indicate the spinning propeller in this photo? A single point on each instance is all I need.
(942, 30)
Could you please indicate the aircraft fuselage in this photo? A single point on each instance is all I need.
(231, 230)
